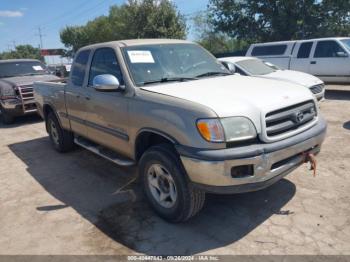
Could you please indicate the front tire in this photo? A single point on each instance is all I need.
(166, 186)
(7, 119)
(62, 140)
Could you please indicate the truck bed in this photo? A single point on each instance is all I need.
(50, 93)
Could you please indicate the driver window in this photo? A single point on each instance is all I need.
(327, 49)
(105, 62)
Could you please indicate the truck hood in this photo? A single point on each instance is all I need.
(295, 77)
(28, 80)
(236, 95)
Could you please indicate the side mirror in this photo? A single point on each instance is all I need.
(230, 67)
(342, 54)
(105, 83)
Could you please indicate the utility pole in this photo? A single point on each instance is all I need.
(14, 44)
(41, 41)
(40, 37)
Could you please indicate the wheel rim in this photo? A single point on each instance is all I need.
(162, 185)
(54, 133)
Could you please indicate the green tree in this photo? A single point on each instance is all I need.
(209, 38)
(336, 18)
(22, 51)
(269, 20)
(134, 19)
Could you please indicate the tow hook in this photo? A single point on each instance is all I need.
(310, 158)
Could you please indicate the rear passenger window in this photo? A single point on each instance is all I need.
(304, 50)
(79, 67)
(269, 50)
(327, 49)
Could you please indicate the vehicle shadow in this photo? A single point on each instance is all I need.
(22, 120)
(346, 125)
(102, 193)
(337, 95)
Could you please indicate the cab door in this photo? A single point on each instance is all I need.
(330, 61)
(76, 94)
(106, 112)
(300, 61)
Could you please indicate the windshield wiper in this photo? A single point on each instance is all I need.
(32, 74)
(169, 79)
(213, 74)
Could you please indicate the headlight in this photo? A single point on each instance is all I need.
(226, 129)
(211, 130)
(238, 128)
(8, 92)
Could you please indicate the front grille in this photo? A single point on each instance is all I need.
(317, 88)
(289, 118)
(26, 92)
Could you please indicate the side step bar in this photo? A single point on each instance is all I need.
(103, 152)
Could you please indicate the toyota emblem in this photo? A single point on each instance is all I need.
(299, 117)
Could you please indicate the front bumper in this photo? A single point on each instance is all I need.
(320, 96)
(210, 170)
(17, 107)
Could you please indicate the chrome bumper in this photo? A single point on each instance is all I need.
(17, 106)
(266, 165)
(10, 104)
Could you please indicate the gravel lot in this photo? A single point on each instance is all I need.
(78, 203)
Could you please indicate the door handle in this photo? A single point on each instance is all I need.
(77, 96)
(87, 98)
(313, 62)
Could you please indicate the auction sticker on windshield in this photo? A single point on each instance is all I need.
(37, 68)
(137, 56)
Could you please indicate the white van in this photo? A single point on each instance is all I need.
(326, 58)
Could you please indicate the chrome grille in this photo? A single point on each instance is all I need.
(317, 88)
(290, 118)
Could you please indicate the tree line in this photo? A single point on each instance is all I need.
(22, 51)
(225, 26)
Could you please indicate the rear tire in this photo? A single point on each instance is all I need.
(166, 186)
(62, 140)
(7, 119)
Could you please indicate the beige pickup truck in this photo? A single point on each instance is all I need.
(190, 125)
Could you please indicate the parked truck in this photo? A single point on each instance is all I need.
(190, 125)
(16, 86)
(326, 58)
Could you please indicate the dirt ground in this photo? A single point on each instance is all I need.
(78, 203)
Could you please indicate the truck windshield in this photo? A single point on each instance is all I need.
(11, 69)
(346, 43)
(152, 64)
(255, 67)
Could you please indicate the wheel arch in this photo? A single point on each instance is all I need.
(47, 109)
(148, 137)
